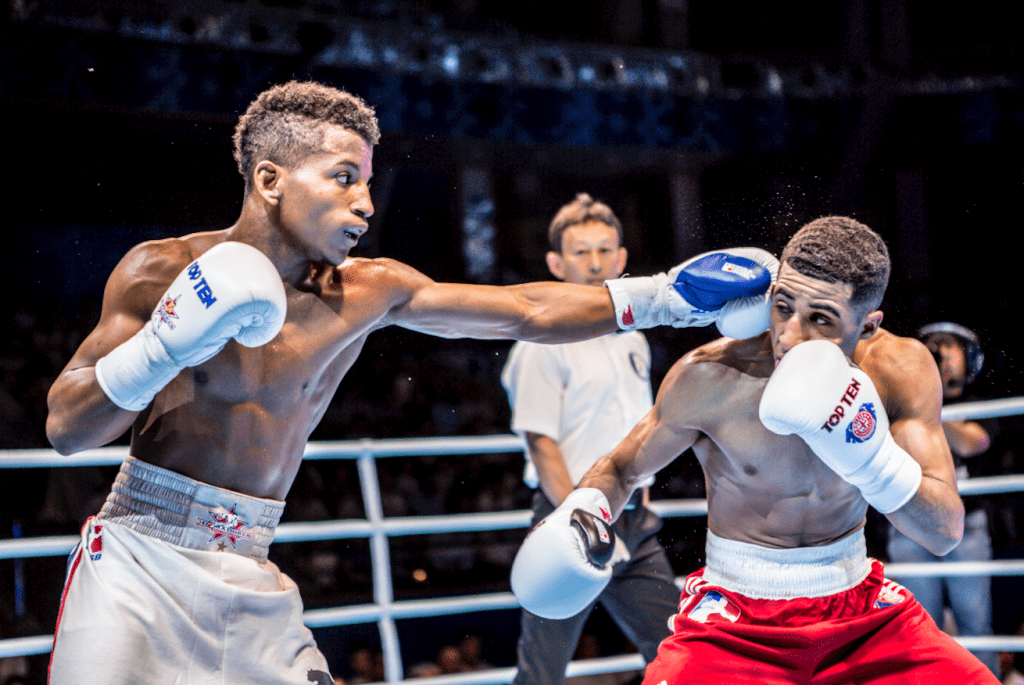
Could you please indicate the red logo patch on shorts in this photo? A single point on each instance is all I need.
(890, 594)
(96, 543)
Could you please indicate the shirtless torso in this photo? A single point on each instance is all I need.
(769, 489)
(241, 420)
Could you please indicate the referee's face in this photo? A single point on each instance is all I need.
(590, 254)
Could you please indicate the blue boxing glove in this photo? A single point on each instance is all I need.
(726, 287)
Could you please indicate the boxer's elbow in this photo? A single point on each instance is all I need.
(60, 439)
(949, 531)
(65, 430)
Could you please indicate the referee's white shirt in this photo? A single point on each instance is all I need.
(586, 396)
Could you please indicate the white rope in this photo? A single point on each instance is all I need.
(444, 606)
(345, 529)
(991, 485)
(502, 676)
(349, 449)
(955, 569)
(987, 409)
(26, 646)
(679, 507)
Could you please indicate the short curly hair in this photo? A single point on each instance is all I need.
(838, 249)
(582, 209)
(284, 123)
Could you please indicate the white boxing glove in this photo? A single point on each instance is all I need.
(566, 560)
(727, 286)
(231, 291)
(818, 394)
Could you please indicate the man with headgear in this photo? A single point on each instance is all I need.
(958, 353)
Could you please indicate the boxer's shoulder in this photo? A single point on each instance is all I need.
(886, 356)
(708, 376)
(153, 257)
(380, 273)
(365, 289)
(144, 272)
(727, 357)
(902, 369)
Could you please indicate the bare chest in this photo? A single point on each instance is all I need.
(767, 488)
(303, 363)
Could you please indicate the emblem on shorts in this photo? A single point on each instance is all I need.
(165, 312)
(225, 526)
(889, 595)
(863, 424)
(96, 543)
(712, 604)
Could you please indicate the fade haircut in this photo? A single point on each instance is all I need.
(581, 210)
(285, 123)
(838, 249)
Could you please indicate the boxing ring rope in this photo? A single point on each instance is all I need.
(385, 610)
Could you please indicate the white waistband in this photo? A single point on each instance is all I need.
(768, 573)
(183, 511)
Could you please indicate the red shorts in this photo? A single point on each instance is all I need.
(875, 632)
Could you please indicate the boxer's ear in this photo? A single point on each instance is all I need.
(267, 178)
(872, 322)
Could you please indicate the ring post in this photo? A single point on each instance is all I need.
(383, 593)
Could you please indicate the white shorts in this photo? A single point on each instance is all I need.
(170, 585)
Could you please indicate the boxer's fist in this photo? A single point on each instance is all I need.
(727, 286)
(818, 394)
(566, 560)
(231, 291)
(735, 283)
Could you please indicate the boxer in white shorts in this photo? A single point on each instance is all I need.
(220, 351)
(157, 578)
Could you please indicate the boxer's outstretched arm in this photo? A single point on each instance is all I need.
(81, 416)
(548, 312)
(551, 312)
(660, 436)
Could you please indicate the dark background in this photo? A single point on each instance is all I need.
(119, 119)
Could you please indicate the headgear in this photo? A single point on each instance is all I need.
(968, 340)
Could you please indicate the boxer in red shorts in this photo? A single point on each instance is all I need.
(798, 430)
